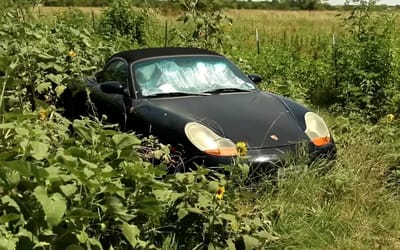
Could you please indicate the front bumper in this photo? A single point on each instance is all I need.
(272, 157)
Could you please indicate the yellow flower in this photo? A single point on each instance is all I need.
(390, 117)
(72, 54)
(241, 147)
(220, 193)
(42, 114)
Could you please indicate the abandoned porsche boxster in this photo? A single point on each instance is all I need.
(199, 102)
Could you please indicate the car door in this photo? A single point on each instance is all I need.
(113, 106)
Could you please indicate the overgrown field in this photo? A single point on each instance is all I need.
(81, 185)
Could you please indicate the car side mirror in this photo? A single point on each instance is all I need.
(113, 87)
(255, 78)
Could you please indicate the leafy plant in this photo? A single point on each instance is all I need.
(208, 24)
(92, 189)
(365, 61)
(120, 19)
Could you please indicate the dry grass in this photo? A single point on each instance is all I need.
(53, 10)
(274, 27)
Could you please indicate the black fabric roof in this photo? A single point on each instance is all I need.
(137, 54)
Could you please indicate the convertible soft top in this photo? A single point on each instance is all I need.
(138, 54)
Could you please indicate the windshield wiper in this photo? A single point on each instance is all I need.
(229, 90)
(178, 94)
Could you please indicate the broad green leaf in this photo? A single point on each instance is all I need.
(22, 167)
(232, 220)
(43, 87)
(58, 67)
(250, 243)
(10, 243)
(60, 89)
(150, 206)
(55, 78)
(182, 212)
(54, 206)
(22, 131)
(131, 233)
(68, 189)
(45, 57)
(162, 195)
(88, 173)
(10, 202)
(55, 174)
(231, 245)
(228, 217)
(125, 140)
(204, 200)
(88, 163)
(9, 125)
(39, 150)
(159, 184)
(9, 217)
(115, 205)
(39, 172)
(195, 210)
(78, 152)
(13, 177)
(115, 187)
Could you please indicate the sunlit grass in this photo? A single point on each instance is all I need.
(345, 206)
(299, 29)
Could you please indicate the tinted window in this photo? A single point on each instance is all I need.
(116, 71)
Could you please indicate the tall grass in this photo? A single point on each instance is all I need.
(303, 30)
(274, 27)
(346, 206)
(281, 27)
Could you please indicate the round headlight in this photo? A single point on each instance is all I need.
(209, 142)
(316, 129)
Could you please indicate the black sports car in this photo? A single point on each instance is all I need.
(201, 103)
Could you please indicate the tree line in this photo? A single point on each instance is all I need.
(174, 4)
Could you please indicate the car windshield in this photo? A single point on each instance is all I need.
(189, 75)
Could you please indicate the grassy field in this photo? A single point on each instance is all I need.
(281, 26)
(274, 27)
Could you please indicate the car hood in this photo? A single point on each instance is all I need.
(259, 119)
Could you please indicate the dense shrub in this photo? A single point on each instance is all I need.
(41, 60)
(120, 19)
(89, 188)
(366, 62)
(205, 25)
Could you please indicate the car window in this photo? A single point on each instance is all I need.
(190, 74)
(116, 71)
